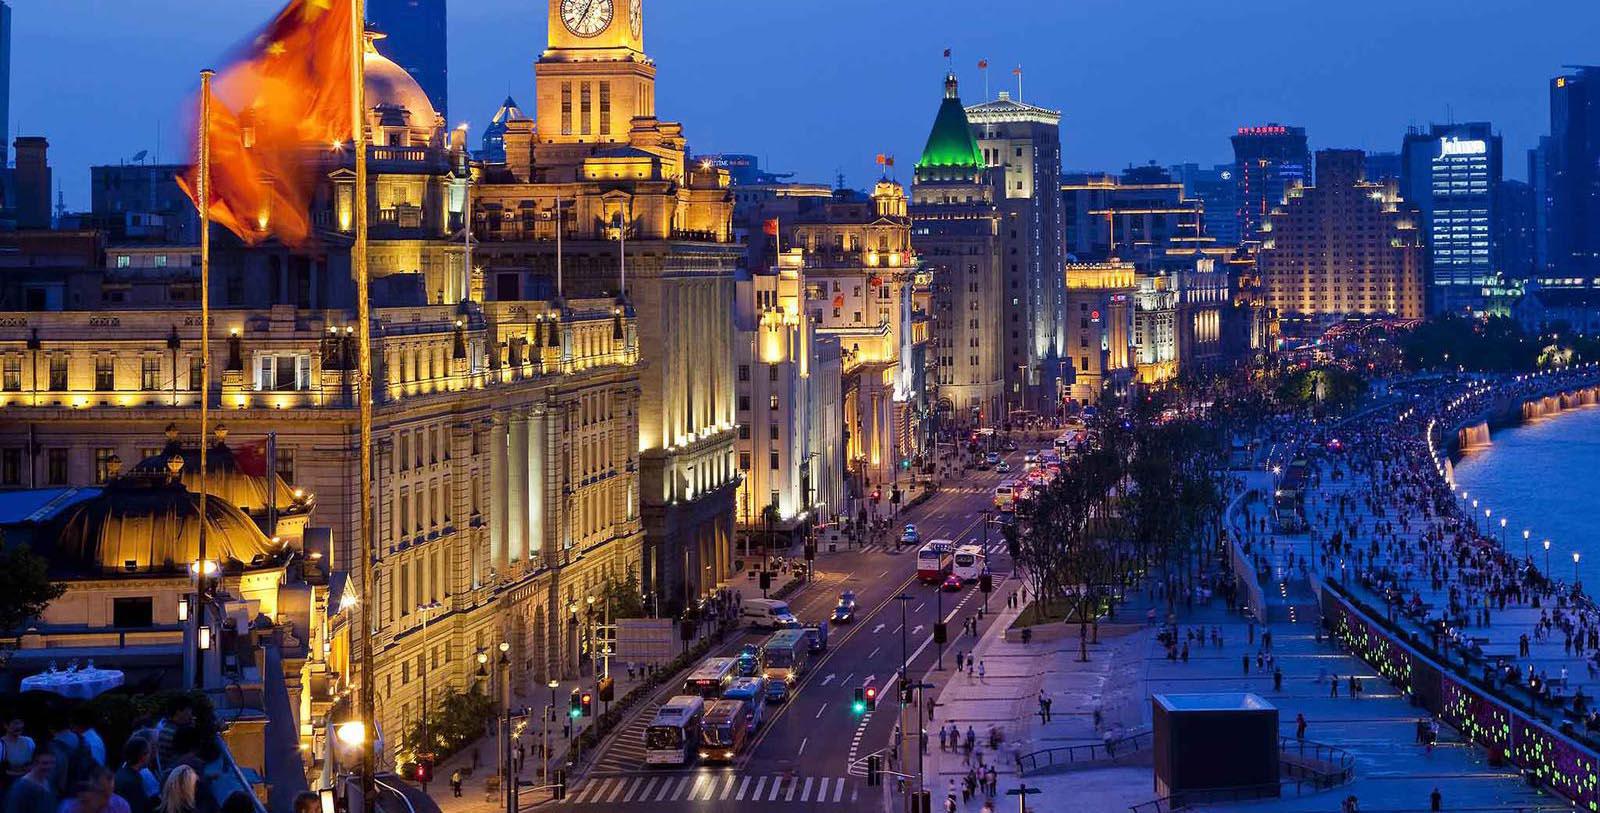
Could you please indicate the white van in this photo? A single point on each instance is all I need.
(767, 613)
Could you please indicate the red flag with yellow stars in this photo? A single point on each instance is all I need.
(284, 94)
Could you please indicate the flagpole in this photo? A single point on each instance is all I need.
(358, 268)
(203, 190)
(561, 222)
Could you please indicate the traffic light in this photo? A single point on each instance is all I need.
(766, 579)
(425, 771)
(921, 802)
(560, 783)
(1010, 533)
(586, 704)
(859, 705)
(874, 771)
(575, 704)
(939, 632)
(607, 689)
(872, 697)
(986, 583)
(907, 694)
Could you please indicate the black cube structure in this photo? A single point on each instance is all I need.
(1208, 742)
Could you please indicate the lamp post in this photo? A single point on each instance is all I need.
(1575, 555)
(588, 631)
(1502, 533)
(1525, 534)
(505, 717)
(205, 571)
(549, 712)
(1547, 558)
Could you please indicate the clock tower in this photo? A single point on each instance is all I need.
(594, 77)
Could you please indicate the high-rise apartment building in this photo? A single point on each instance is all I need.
(417, 41)
(1268, 161)
(1344, 247)
(1573, 169)
(1451, 175)
(1021, 145)
(1515, 230)
(955, 230)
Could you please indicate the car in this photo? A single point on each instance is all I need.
(991, 458)
(910, 536)
(848, 599)
(1010, 446)
(843, 614)
(1003, 467)
(952, 583)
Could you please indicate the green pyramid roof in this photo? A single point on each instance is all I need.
(951, 144)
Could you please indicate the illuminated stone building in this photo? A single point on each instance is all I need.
(639, 224)
(955, 230)
(862, 289)
(1021, 145)
(1100, 311)
(1344, 247)
(507, 471)
(787, 385)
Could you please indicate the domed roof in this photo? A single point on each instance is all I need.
(144, 523)
(243, 484)
(389, 85)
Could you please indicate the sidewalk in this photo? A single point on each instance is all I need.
(1128, 665)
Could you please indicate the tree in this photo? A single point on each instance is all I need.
(623, 596)
(455, 721)
(25, 586)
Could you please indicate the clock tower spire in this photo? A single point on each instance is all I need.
(594, 77)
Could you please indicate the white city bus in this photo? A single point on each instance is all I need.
(933, 560)
(711, 677)
(970, 563)
(673, 737)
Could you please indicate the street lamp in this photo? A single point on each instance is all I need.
(1502, 533)
(427, 745)
(1525, 534)
(549, 712)
(1575, 568)
(1547, 558)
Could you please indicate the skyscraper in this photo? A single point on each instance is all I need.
(1268, 161)
(955, 222)
(1451, 174)
(1574, 178)
(1217, 190)
(1021, 145)
(416, 41)
(1344, 247)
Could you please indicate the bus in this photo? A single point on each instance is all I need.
(1005, 495)
(673, 737)
(711, 677)
(788, 652)
(724, 730)
(933, 560)
(753, 689)
(970, 563)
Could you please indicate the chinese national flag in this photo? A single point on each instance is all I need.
(251, 458)
(771, 227)
(284, 92)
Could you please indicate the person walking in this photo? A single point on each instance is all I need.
(1300, 726)
(1435, 800)
(980, 671)
(455, 783)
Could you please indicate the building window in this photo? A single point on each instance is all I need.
(11, 467)
(744, 403)
(285, 465)
(772, 432)
(55, 467)
(566, 108)
(744, 431)
(196, 374)
(105, 374)
(277, 373)
(605, 108)
(102, 463)
(744, 461)
(772, 402)
(772, 460)
(744, 372)
(150, 374)
(13, 374)
(583, 108)
(133, 612)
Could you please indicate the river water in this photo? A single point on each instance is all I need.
(1543, 476)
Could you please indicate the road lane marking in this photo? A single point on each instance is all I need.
(597, 791)
(633, 788)
(919, 607)
(874, 652)
(846, 680)
(805, 793)
(828, 679)
(612, 797)
(744, 785)
(803, 741)
(878, 629)
(822, 789)
(819, 711)
(883, 574)
(649, 786)
(728, 788)
(793, 785)
(777, 786)
(838, 790)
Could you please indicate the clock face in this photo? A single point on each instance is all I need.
(586, 18)
(636, 17)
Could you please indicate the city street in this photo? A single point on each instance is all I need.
(804, 751)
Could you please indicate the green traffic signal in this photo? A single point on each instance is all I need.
(576, 713)
(859, 708)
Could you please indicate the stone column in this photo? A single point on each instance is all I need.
(497, 494)
(538, 474)
(517, 485)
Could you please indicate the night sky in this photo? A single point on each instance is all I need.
(821, 86)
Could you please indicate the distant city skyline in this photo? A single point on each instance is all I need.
(1164, 82)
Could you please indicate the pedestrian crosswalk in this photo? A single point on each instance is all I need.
(992, 548)
(713, 787)
(625, 750)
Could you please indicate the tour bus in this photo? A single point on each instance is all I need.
(753, 689)
(724, 730)
(1005, 495)
(673, 737)
(711, 677)
(933, 560)
(970, 563)
(1067, 441)
(788, 652)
